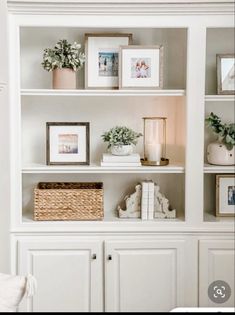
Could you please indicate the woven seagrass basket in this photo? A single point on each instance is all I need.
(68, 201)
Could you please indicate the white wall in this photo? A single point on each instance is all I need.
(4, 145)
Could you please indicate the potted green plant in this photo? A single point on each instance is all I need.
(121, 140)
(64, 60)
(221, 152)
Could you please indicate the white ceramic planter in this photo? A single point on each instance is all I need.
(122, 149)
(64, 78)
(218, 154)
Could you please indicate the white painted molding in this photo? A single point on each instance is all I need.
(114, 7)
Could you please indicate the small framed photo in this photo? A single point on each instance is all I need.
(68, 143)
(225, 74)
(225, 195)
(102, 53)
(141, 67)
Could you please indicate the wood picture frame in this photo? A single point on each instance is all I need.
(225, 64)
(63, 145)
(153, 77)
(225, 195)
(95, 78)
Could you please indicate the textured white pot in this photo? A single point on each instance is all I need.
(64, 78)
(218, 154)
(122, 149)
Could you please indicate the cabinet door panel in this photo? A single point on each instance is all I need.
(145, 276)
(216, 262)
(68, 279)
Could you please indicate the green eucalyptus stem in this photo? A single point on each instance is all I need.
(224, 132)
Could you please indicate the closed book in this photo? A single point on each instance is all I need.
(150, 200)
(110, 164)
(144, 201)
(135, 158)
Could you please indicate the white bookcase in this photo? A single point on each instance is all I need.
(191, 34)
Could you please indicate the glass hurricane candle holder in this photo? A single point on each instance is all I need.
(155, 141)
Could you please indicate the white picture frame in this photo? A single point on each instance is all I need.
(225, 195)
(225, 74)
(68, 143)
(102, 59)
(141, 67)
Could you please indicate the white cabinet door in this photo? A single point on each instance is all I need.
(216, 262)
(145, 276)
(69, 276)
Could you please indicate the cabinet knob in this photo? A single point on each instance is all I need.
(94, 256)
(110, 257)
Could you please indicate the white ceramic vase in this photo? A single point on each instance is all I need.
(122, 149)
(64, 78)
(218, 154)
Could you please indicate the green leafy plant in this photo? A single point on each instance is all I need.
(119, 136)
(225, 132)
(63, 55)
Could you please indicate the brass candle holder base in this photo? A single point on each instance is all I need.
(162, 162)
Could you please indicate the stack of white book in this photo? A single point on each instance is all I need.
(147, 200)
(121, 161)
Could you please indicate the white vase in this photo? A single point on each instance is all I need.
(64, 78)
(218, 154)
(122, 149)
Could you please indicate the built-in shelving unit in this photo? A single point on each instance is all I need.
(34, 103)
(223, 106)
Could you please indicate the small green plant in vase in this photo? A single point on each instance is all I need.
(121, 140)
(221, 152)
(64, 60)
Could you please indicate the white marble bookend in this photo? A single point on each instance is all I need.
(133, 204)
(161, 206)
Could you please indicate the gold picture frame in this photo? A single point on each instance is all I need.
(225, 195)
(225, 64)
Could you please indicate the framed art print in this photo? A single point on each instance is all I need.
(67, 143)
(102, 55)
(226, 74)
(141, 67)
(225, 195)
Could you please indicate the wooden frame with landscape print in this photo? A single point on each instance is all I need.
(225, 195)
(68, 143)
(225, 74)
(102, 59)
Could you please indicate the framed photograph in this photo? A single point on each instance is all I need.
(141, 67)
(102, 65)
(68, 143)
(225, 74)
(225, 195)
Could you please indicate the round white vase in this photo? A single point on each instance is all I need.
(218, 154)
(122, 149)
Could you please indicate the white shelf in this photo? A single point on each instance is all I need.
(95, 168)
(115, 225)
(208, 168)
(209, 217)
(83, 92)
(219, 98)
